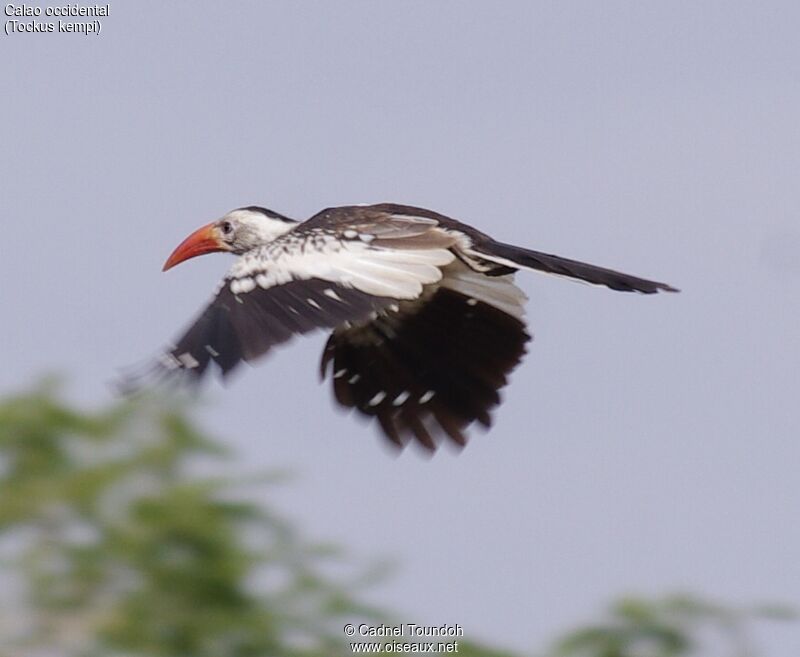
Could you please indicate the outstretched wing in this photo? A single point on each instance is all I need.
(242, 326)
(311, 278)
(428, 368)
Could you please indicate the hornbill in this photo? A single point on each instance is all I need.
(426, 320)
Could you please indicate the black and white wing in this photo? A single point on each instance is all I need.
(428, 368)
(310, 278)
(486, 254)
(242, 326)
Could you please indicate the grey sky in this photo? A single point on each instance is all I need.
(646, 444)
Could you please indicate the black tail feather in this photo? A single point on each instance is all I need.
(510, 255)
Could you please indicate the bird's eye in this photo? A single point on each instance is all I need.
(227, 228)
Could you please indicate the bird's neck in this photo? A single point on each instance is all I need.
(267, 231)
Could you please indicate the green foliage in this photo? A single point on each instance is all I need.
(113, 543)
(676, 626)
(124, 550)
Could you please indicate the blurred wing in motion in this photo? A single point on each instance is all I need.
(429, 368)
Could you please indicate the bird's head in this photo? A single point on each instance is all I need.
(237, 232)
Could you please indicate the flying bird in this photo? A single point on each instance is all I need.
(426, 320)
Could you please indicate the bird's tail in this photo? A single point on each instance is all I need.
(519, 258)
